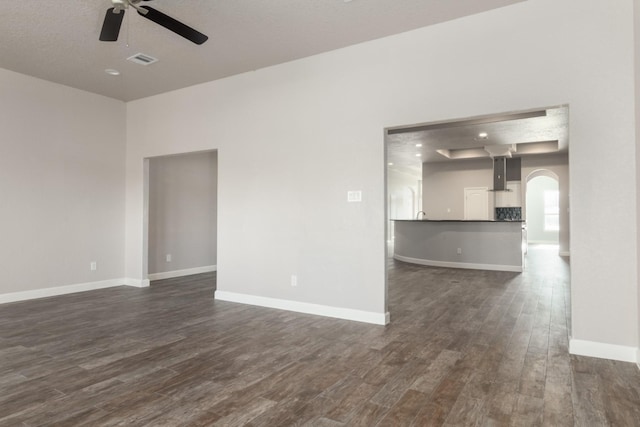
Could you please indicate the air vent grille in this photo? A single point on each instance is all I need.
(142, 59)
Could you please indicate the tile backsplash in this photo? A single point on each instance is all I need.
(506, 214)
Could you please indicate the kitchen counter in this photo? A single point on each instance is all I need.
(458, 220)
(476, 244)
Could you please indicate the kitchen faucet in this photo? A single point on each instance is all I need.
(424, 214)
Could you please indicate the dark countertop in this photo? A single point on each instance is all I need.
(458, 220)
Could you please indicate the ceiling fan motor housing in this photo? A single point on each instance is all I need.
(119, 5)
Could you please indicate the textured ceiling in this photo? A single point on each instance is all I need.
(58, 40)
(533, 132)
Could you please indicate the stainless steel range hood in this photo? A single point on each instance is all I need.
(499, 155)
(499, 174)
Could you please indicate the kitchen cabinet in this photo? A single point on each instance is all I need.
(510, 198)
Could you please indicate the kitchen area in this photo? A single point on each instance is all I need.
(468, 180)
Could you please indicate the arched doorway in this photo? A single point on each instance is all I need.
(542, 208)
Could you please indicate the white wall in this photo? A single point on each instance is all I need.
(62, 182)
(443, 185)
(182, 211)
(535, 209)
(294, 138)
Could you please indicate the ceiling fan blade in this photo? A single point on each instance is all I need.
(111, 25)
(176, 26)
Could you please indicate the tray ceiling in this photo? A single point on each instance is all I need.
(539, 131)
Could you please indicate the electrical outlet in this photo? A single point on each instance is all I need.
(354, 196)
(168, 257)
(459, 251)
(93, 266)
(294, 280)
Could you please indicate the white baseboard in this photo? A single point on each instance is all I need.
(604, 351)
(136, 283)
(638, 358)
(466, 265)
(59, 290)
(180, 273)
(564, 253)
(303, 307)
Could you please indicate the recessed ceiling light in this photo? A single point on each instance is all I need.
(112, 72)
(389, 164)
(483, 135)
(418, 155)
(418, 145)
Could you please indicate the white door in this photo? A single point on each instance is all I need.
(476, 203)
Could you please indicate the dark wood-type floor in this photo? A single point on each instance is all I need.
(464, 348)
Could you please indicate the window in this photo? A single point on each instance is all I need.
(551, 210)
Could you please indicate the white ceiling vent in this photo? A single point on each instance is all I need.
(142, 59)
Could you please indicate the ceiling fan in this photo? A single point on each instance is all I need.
(115, 14)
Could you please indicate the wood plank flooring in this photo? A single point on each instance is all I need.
(464, 348)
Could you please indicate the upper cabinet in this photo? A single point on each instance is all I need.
(514, 169)
(510, 198)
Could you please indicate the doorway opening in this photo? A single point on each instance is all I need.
(543, 209)
(180, 215)
(453, 165)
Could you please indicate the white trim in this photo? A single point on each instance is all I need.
(180, 273)
(59, 290)
(601, 350)
(136, 283)
(638, 358)
(303, 307)
(467, 265)
(543, 242)
(564, 253)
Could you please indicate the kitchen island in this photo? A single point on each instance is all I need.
(474, 244)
